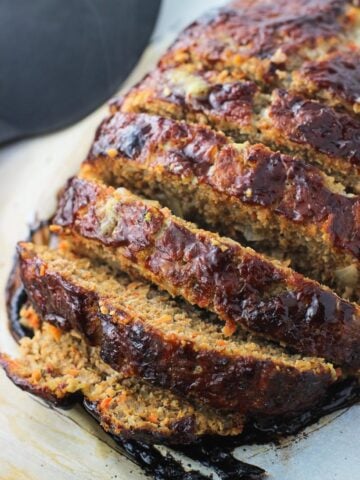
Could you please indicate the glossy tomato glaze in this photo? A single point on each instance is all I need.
(237, 382)
(255, 175)
(308, 122)
(339, 74)
(259, 29)
(236, 283)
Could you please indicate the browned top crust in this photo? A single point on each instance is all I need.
(312, 123)
(229, 35)
(242, 287)
(338, 75)
(253, 174)
(247, 382)
(62, 369)
(325, 134)
(188, 91)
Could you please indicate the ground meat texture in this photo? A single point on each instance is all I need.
(241, 286)
(272, 200)
(173, 346)
(60, 367)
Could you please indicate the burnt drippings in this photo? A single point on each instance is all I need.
(259, 430)
(310, 123)
(258, 29)
(255, 175)
(220, 458)
(262, 430)
(160, 467)
(16, 297)
(339, 74)
(241, 287)
(165, 467)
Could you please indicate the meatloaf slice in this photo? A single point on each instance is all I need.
(243, 287)
(322, 134)
(263, 38)
(273, 201)
(169, 345)
(59, 367)
(219, 99)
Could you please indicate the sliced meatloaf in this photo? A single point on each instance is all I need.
(262, 38)
(243, 287)
(169, 345)
(275, 202)
(60, 367)
(322, 134)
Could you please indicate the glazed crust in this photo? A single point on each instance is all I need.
(241, 286)
(296, 120)
(321, 133)
(171, 151)
(260, 37)
(334, 78)
(241, 383)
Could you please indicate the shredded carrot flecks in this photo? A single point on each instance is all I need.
(31, 317)
(105, 403)
(36, 375)
(153, 418)
(42, 270)
(112, 152)
(55, 228)
(229, 329)
(55, 332)
(64, 246)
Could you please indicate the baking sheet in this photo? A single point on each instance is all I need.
(38, 442)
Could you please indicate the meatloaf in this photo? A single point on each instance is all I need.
(136, 325)
(272, 201)
(284, 119)
(241, 286)
(60, 367)
(282, 73)
(262, 39)
(170, 330)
